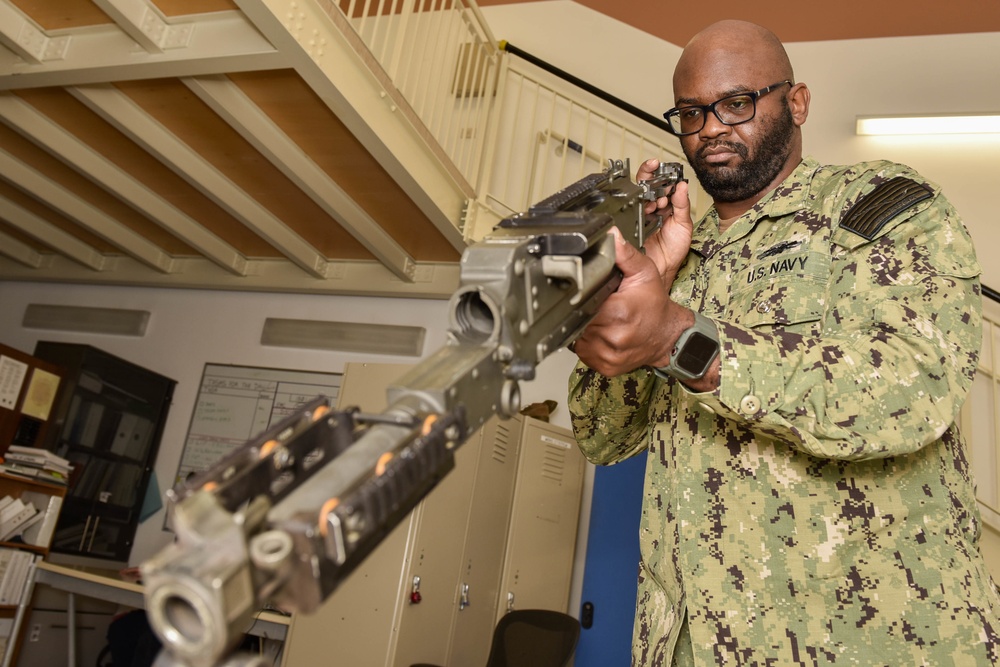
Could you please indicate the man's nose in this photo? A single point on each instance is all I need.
(713, 126)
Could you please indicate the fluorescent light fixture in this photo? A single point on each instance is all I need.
(978, 123)
(344, 336)
(116, 321)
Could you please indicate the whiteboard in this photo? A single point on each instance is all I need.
(236, 403)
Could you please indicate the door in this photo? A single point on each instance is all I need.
(609, 577)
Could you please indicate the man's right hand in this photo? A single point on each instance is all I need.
(668, 247)
(638, 324)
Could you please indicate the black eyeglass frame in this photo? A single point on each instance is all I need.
(705, 108)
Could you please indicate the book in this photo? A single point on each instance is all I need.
(15, 576)
(35, 456)
(92, 419)
(40, 533)
(13, 524)
(123, 437)
(142, 434)
(30, 472)
(11, 509)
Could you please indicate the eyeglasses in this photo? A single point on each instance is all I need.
(731, 110)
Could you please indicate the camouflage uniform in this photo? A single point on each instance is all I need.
(817, 508)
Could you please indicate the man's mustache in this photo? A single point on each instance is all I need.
(739, 149)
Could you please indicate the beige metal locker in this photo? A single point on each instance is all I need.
(434, 558)
(542, 540)
(503, 501)
(354, 627)
(485, 544)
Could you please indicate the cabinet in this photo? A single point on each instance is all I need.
(28, 387)
(47, 499)
(503, 522)
(108, 419)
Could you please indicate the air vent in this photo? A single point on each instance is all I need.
(501, 444)
(554, 461)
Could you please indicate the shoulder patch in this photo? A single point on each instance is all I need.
(870, 213)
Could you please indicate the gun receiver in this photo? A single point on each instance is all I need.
(285, 517)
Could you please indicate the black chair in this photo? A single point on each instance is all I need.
(534, 638)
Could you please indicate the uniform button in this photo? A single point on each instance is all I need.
(763, 307)
(750, 405)
(707, 408)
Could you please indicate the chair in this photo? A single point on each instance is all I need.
(534, 638)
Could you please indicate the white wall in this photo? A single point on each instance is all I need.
(951, 73)
(189, 328)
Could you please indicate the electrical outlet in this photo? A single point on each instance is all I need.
(36, 632)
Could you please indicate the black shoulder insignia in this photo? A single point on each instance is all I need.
(870, 213)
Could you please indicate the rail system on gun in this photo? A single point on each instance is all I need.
(285, 517)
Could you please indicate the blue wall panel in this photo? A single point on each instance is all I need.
(609, 577)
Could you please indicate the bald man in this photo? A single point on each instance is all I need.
(794, 363)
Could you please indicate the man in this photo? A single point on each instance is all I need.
(794, 363)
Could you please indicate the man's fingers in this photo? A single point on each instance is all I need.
(647, 169)
(627, 257)
(680, 200)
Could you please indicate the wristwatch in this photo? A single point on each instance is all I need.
(694, 351)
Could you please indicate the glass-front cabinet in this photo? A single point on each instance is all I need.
(109, 418)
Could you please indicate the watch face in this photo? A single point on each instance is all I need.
(697, 354)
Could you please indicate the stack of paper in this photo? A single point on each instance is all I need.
(15, 516)
(36, 463)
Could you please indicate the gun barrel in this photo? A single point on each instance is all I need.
(288, 515)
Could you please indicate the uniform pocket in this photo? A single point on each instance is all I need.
(786, 290)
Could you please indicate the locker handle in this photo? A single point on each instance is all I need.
(463, 600)
(415, 596)
(86, 527)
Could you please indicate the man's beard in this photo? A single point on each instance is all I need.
(751, 175)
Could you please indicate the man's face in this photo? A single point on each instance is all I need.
(734, 163)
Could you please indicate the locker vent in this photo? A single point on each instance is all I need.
(554, 462)
(501, 444)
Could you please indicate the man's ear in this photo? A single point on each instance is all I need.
(798, 103)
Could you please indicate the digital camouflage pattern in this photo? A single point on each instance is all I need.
(817, 508)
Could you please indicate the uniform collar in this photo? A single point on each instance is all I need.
(790, 196)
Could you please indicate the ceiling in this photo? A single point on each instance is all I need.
(195, 143)
(204, 143)
(803, 21)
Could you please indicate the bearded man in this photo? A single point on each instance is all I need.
(794, 363)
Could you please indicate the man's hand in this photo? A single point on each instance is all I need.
(668, 247)
(638, 324)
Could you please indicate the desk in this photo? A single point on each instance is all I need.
(107, 585)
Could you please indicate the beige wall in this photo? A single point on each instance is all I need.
(950, 73)
(991, 551)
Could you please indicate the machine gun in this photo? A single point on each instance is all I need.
(287, 516)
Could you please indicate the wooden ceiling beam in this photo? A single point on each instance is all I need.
(25, 39)
(232, 104)
(83, 213)
(48, 234)
(366, 278)
(215, 44)
(143, 22)
(19, 251)
(35, 126)
(125, 115)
